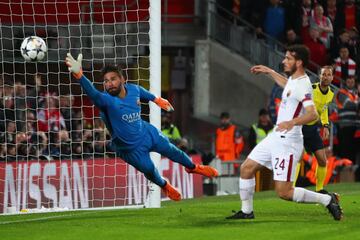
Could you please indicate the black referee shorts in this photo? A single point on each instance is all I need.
(312, 139)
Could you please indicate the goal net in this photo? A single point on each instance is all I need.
(54, 150)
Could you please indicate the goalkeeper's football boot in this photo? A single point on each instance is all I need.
(206, 171)
(171, 192)
(241, 215)
(334, 207)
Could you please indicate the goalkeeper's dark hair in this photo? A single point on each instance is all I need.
(301, 53)
(111, 68)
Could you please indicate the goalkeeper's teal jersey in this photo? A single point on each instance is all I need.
(121, 115)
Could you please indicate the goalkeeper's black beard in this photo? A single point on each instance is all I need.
(115, 92)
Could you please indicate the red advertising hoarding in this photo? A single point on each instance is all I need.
(73, 184)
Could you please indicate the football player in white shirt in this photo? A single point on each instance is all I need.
(281, 150)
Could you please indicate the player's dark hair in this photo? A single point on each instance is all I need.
(111, 68)
(301, 53)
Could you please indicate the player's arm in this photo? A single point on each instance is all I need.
(304, 95)
(277, 77)
(75, 68)
(324, 118)
(309, 116)
(161, 102)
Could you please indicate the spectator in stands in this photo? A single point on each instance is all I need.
(306, 13)
(355, 45)
(77, 125)
(343, 40)
(344, 66)
(168, 128)
(2, 151)
(297, 15)
(292, 38)
(38, 146)
(50, 117)
(22, 146)
(259, 130)
(64, 144)
(347, 102)
(67, 111)
(229, 141)
(274, 102)
(99, 138)
(87, 141)
(9, 111)
(348, 15)
(236, 7)
(317, 49)
(34, 92)
(253, 12)
(20, 105)
(330, 9)
(274, 20)
(10, 134)
(322, 24)
(10, 152)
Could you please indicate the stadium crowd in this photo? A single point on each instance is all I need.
(329, 28)
(37, 124)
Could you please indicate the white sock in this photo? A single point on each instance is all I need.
(302, 195)
(247, 189)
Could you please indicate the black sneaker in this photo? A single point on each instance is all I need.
(241, 215)
(334, 207)
(323, 191)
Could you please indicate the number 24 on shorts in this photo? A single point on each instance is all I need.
(280, 164)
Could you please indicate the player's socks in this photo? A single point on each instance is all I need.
(247, 189)
(171, 192)
(206, 171)
(303, 195)
(298, 165)
(320, 177)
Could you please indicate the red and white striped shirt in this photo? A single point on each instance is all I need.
(351, 68)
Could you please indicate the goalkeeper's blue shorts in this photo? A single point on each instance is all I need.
(153, 141)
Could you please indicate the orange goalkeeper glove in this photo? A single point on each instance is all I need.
(164, 104)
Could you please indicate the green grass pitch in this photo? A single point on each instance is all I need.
(196, 219)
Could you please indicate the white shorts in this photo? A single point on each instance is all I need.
(279, 154)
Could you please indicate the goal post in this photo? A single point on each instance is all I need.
(55, 153)
(155, 87)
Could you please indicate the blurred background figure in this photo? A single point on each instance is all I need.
(260, 129)
(347, 101)
(229, 141)
(168, 128)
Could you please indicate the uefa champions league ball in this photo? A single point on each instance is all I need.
(33, 49)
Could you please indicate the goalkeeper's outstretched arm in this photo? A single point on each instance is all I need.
(161, 102)
(75, 68)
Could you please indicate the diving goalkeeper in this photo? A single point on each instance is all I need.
(133, 138)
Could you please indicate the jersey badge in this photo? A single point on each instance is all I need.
(288, 93)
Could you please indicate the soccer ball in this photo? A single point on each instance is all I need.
(33, 48)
